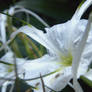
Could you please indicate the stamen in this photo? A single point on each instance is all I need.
(66, 60)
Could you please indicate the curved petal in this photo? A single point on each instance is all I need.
(43, 65)
(80, 11)
(2, 27)
(37, 35)
(78, 53)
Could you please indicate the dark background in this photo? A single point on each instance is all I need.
(52, 11)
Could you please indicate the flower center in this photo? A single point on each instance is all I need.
(66, 60)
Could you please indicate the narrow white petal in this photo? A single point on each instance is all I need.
(33, 14)
(86, 56)
(80, 11)
(77, 55)
(2, 27)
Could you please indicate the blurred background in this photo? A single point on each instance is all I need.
(52, 12)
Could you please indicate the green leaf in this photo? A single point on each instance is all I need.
(86, 80)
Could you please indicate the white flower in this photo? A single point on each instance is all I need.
(65, 44)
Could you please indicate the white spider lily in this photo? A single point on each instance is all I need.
(62, 42)
(65, 44)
